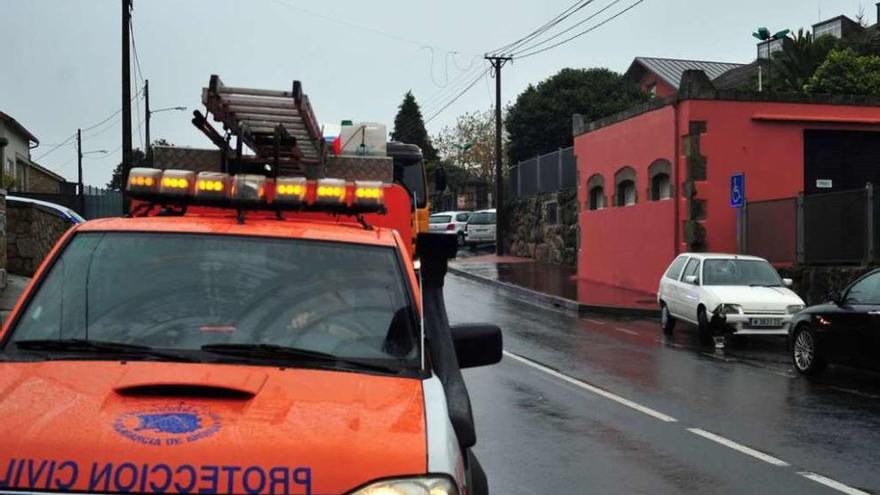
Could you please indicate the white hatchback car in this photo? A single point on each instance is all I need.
(480, 228)
(449, 222)
(725, 293)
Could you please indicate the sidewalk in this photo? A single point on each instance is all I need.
(15, 284)
(553, 284)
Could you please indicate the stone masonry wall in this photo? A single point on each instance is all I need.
(31, 233)
(39, 182)
(528, 233)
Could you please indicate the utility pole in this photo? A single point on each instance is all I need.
(126, 93)
(80, 198)
(497, 63)
(149, 150)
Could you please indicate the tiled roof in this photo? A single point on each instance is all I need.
(670, 70)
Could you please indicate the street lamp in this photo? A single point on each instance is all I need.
(148, 113)
(764, 35)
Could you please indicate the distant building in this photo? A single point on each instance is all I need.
(20, 173)
(655, 180)
(661, 76)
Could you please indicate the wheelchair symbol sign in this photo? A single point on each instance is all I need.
(737, 190)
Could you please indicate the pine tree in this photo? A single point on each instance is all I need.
(409, 127)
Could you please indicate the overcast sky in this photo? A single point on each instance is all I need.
(60, 64)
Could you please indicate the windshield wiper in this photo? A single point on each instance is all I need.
(86, 345)
(273, 351)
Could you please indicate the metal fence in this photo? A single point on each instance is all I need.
(771, 229)
(545, 173)
(96, 202)
(816, 229)
(100, 203)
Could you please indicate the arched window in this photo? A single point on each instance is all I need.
(596, 192)
(625, 187)
(660, 173)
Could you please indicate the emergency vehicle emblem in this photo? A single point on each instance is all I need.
(168, 425)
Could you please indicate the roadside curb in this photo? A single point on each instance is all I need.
(554, 302)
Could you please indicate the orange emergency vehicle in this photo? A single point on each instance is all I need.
(241, 334)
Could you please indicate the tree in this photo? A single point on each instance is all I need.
(798, 60)
(139, 159)
(409, 127)
(845, 72)
(540, 120)
(117, 180)
(470, 143)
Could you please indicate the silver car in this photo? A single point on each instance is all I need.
(449, 222)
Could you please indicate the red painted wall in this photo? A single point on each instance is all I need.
(630, 247)
(663, 90)
(615, 240)
(771, 153)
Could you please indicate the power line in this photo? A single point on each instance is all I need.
(66, 141)
(557, 35)
(593, 28)
(366, 28)
(545, 27)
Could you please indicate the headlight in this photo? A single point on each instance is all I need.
(730, 309)
(794, 308)
(411, 486)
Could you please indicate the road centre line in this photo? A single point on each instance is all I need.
(624, 330)
(739, 447)
(595, 322)
(591, 388)
(830, 483)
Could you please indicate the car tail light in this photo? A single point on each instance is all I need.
(451, 226)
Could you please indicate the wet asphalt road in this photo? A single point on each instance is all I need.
(632, 412)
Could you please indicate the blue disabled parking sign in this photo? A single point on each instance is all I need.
(738, 190)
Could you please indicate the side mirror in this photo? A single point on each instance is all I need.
(691, 279)
(477, 344)
(787, 282)
(440, 179)
(835, 296)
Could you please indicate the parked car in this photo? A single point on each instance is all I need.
(845, 330)
(480, 228)
(449, 222)
(726, 294)
(62, 212)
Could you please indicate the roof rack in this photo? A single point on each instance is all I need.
(280, 127)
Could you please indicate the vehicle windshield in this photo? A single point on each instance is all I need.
(410, 172)
(440, 218)
(482, 218)
(181, 292)
(740, 272)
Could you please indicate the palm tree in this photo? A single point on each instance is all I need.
(799, 58)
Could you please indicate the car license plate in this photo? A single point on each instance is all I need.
(765, 322)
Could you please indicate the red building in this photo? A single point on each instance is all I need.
(655, 181)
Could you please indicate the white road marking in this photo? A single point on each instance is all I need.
(624, 330)
(830, 483)
(739, 447)
(591, 388)
(597, 322)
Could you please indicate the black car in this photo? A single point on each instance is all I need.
(844, 330)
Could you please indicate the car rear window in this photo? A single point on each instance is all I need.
(482, 218)
(462, 217)
(180, 292)
(440, 218)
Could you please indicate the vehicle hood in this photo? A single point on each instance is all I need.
(754, 298)
(204, 428)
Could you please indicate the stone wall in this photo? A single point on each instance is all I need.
(30, 235)
(530, 233)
